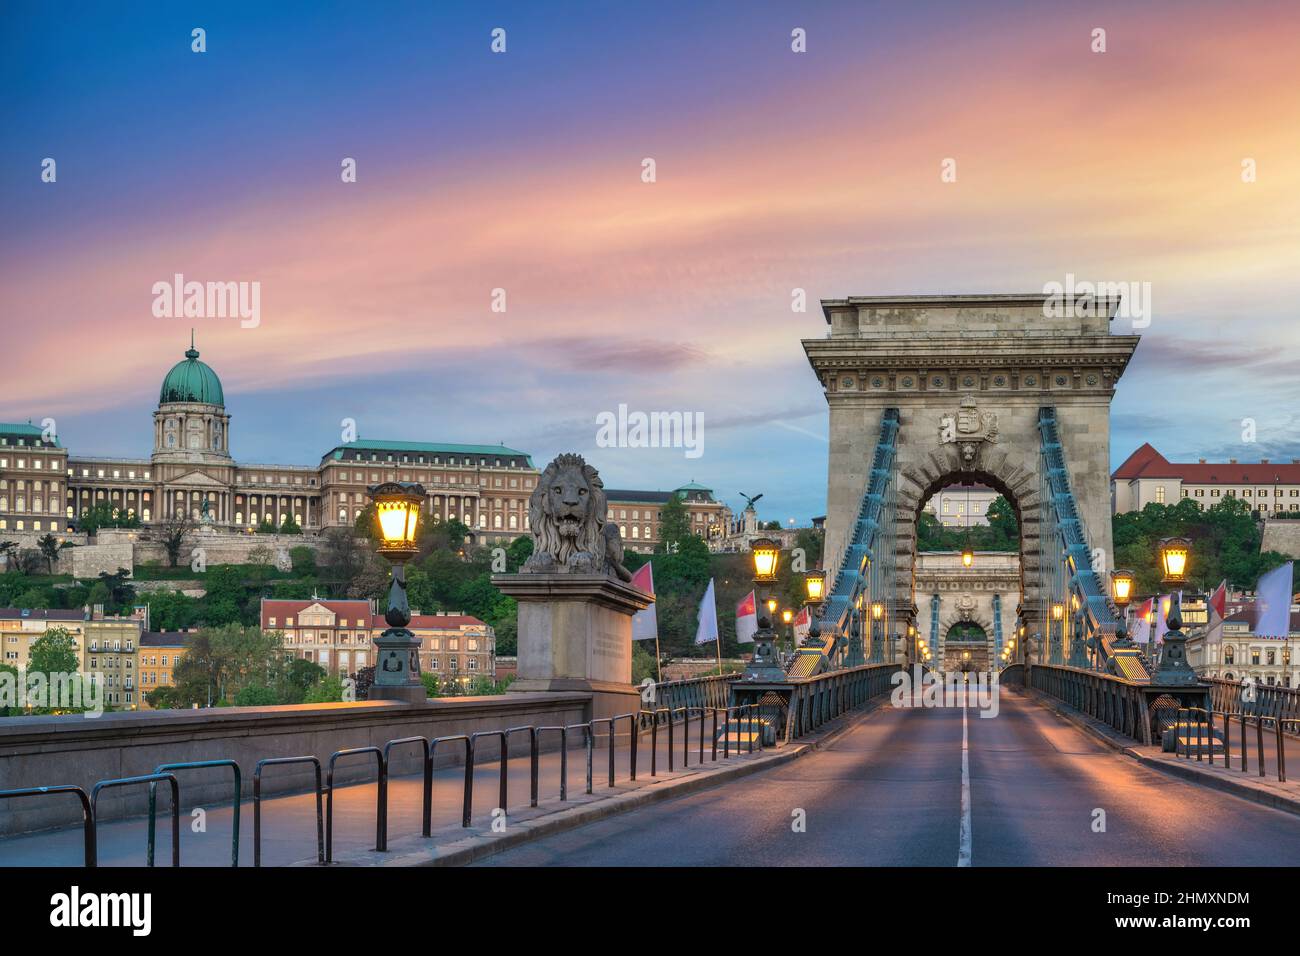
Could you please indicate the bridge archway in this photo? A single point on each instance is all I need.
(968, 380)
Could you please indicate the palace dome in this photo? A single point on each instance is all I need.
(192, 381)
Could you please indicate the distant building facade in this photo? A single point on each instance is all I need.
(962, 505)
(338, 636)
(160, 652)
(191, 472)
(1147, 477)
(637, 514)
(1241, 655)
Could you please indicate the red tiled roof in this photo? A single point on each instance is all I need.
(283, 609)
(433, 621)
(1146, 462)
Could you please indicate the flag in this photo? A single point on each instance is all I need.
(1141, 624)
(1162, 615)
(746, 619)
(707, 630)
(801, 624)
(1217, 607)
(1273, 603)
(645, 624)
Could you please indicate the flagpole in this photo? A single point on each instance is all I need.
(719, 632)
(659, 668)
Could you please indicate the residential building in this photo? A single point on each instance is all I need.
(334, 634)
(1147, 477)
(452, 646)
(1240, 654)
(20, 628)
(160, 652)
(108, 656)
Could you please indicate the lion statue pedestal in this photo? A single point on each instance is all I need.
(575, 602)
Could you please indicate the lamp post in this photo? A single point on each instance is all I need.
(1055, 629)
(814, 584)
(764, 666)
(787, 618)
(877, 635)
(1121, 593)
(1173, 668)
(397, 664)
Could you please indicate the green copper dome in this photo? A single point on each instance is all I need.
(192, 381)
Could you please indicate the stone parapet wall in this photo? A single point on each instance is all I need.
(49, 751)
(1282, 536)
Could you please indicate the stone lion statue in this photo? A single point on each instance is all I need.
(566, 513)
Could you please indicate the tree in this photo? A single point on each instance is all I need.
(54, 652)
(300, 676)
(266, 526)
(328, 691)
(303, 560)
(51, 547)
(121, 592)
(256, 695)
(289, 526)
(175, 530)
(171, 610)
(674, 525)
(221, 661)
(344, 559)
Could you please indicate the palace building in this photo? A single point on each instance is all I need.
(1148, 477)
(191, 472)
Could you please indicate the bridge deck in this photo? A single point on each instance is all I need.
(889, 793)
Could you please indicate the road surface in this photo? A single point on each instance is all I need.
(900, 789)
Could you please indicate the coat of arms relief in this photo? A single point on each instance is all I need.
(970, 428)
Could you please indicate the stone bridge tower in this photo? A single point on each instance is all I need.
(968, 374)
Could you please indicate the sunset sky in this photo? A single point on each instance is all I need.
(522, 171)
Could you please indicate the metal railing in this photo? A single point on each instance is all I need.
(1112, 700)
(816, 700)
(704, 721)
(1205, 730)
(1269, 700)
(713, 690)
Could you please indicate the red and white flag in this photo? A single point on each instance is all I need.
(1142, 622)
(746, 619)
(801, 624)
(645, 624)
(1218, 606)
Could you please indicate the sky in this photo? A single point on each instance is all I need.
(523, 171)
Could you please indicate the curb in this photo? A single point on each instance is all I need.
(477, 847)
(1263, 797)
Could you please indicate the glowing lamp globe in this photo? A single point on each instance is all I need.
(1121, 587)
(787, 615)
(967, 557)
(877, 611)
(814, 583)
(766, 555)
(397, 514)
(1058, 612)
(1174, 553)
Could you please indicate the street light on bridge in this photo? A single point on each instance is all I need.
(766, 554)
(1173, 668)
(397, 664)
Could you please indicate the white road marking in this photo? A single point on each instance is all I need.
(963, 842)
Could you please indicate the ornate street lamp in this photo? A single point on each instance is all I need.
(766, 557)
(764, 666)
(1121, 593)
(1173, 668)
(814, 583)
(397, 667)
(1174, 555)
